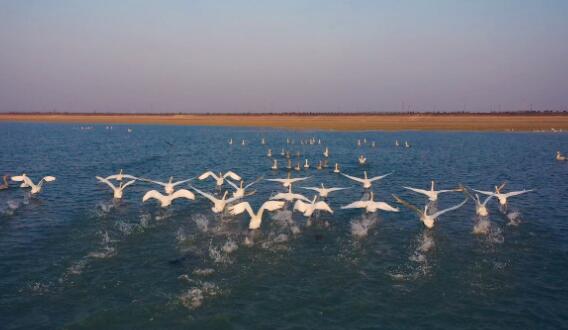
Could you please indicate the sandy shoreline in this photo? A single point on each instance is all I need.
(491, 122)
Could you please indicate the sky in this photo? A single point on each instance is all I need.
(283, 56)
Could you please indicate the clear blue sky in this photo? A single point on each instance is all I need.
(273, 56)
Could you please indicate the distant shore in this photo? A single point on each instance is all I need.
(338, 122)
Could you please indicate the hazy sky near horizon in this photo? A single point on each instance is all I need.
(274, 56)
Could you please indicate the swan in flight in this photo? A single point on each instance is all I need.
(169, 187)
(362, 160)
(289, 196)
(336, 169)
(117, 191)
(560, 157)
(220, 179)
(311, 206)
(367, 182)
(255, 218)
(166, 200)
(5, 184)
(306, 164)
(326, 152)
(428, 219)
(218, 204)
(26, 182)
(370, 205)
(501, 196)
(288, 181)
(240, 191)
(432, 194)
(120, 176)
(323, 191)
(274, 164)
(269, 153)
(480, 208)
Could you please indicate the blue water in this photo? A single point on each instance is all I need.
(72, 258)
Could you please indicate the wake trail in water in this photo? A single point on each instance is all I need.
(360, 227)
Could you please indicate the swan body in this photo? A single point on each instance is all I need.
(370, 205)
(367, 182)
(326, 152)
(319, 166)
(289, 196)
(336, 168)
(306, 164)
(428, 219)
(255, 218)
(120, 176)
(27, 182)
(169, 187)
(274, 164)
(166, 200)
(396, 143)
(308, 208)
(269, 153)
(362, 160)
(219, 179)
(560, 157)
(297, 167)
(117, 190)
(431, 194)
(406, 144)
(218, 204)
(501, 197)
(240, 190)
(323, 191)
(288, 181)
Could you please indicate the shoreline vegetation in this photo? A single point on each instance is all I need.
(458, 121)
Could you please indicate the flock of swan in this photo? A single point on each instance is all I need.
(233, 202)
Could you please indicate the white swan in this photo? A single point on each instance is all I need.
(319, 166)
(262, 141)
(120, 176)
(169, 187)
(289, 196)
(336, 169)
(480, 208)
(166, 200)
(240, 190)
(117, 191)
(219, 179)
(358, 143)
(326, 152)
(396, 143)
(297, 167)
(373, 144)
(428, 219)
(269, 153)
(367, 182)
(27, 182)
(500, 196)
(370, 205)
(323, 191)
(406, 144)
(289, 164)
(362, 160)
(230, 141)
(311, 206)
(432, 194)
(218, 204)
(560, 157)
(288, 181)
(255, 218)
(274, 164)
(306, 164)
(282, 153)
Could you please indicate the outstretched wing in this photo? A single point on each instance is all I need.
(239, 208)
(272, 205)
(48, 178)
(183, 193)
(321, 205)
(232, 184)
(386, 207)
(407, 204)
(353, 178)
(298, 179)
(152, 194)
(488, 193)
(204, 194)
(416, 190)
(182, 181)
(278, 180)
(255, 181)
(128, 183)
(300, 197)
(455, 207)
(335, 189)
(206, 175)
(516, 193)
(300, 206)
(313, 188)
(103, 180)
(23, 178)
(379, 177)
(232, 175)
(356, 205)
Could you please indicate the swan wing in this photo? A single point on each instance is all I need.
(300, 206)
(206, 175)
(204, 194)
(356, 205)
(335, 189)
(23, 178)
(319, 190)
(232, 175)
(255, 181)
(49, 178)
(455, 207)
(182, 181)
(104, 180)
(516, 193)
(128, 183)
(379, 177)
(416, 190)
(386, 207)
(321, 205)
(240, 208)
(353, 178)
(488, 193)
(183, 193)
(298, 179)
(407, 204)
(272, 206)
(152, 194)
(300, 197)
(278, 180)
(232, 184)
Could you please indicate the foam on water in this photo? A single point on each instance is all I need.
(360, 227)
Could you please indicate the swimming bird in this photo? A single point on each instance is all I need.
(500, 196)
(289, 164)
(396, 143)
(432, 194)
(282, 153)
(358, 143)
(289, 196)
(323, 191)
(406, 144)
(262, 141)
(169, 187)
(269, 153)
(166, 200)
(274, 164)
(218, 204)
(370, 205)
(288, 181)
(117, 191)
(240, 191)
(28, 182)
(336, 169)
(367, 182)
(255, 218)
(326, 152)
(220, 179)
(319, 166)
(428, 219)
(306, 164)
(297, 167)
(560, 157)
(120, 176)
(311, 206)
(243, 142)
(5, 184)
(230, 141)
(373, 144)
(362, 160)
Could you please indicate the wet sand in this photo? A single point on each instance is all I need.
(492, 122)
